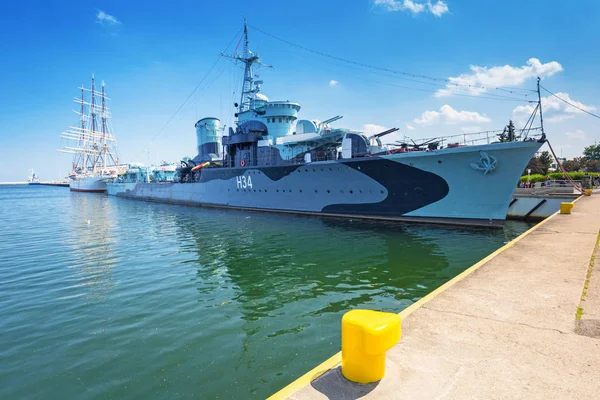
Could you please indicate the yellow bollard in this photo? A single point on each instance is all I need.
(565, 208)
(366, 336)
(587, 192)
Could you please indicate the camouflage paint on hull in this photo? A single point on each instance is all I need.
(469, 185)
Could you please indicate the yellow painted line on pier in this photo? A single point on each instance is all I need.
(308, 377)
(336, 359)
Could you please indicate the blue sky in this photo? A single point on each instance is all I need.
(153, 54)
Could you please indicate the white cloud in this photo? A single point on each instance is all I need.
(553, 103)
(578, 134)
(448, 115)
(438, 9)
(414, 7)
(410, 127)
(333, 83)
(372, 129)
(471, 129)
(498, 76)
(106, 19)
(559, 117)
(554, 109)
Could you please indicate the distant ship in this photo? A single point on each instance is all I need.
(92, 144)
(33, 179)
(272, 161)
(137, 173)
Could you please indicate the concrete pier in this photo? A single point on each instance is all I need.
(55, 183)
(524, 323)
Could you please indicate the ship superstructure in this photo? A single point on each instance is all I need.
(33, 178)
(274, 161)
(92, 143)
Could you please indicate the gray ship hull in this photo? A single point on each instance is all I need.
(469, 185)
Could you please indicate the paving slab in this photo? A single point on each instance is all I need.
(508, 330)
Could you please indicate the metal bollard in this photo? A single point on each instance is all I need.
(565, 207)
(366, 336)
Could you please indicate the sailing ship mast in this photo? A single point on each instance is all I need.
(94, 149)
(82, 158)
(94, 127)
(103, 116)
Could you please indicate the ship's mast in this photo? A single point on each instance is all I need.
(249, 59)
(247, 94)
(89, 157)
(82, 143)
(540, 103)
(104, 144)
(94, 128)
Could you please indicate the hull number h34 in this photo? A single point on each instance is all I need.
(243, 182)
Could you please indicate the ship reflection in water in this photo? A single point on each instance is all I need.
(121, 299)
(284, 282)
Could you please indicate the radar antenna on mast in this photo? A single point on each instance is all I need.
(250, 86)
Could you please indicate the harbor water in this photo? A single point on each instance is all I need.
(102, 297)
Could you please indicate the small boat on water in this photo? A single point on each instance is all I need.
(92, 143)
(33, 179)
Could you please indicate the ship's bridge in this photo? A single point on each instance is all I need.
(279, 116)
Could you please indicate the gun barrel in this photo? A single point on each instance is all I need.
(327, 121)
(378, 135)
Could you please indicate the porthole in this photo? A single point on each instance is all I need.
(316, 191)
(328, 191)
(300, 190)
(439, 161)
(382, 192)
(351, 192)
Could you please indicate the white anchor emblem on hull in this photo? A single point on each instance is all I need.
(486, 164)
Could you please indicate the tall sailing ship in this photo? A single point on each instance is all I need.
(92, 143)
(274, 161)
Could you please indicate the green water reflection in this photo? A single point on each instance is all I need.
(108, 298)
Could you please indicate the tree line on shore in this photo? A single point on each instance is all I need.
(589, 162)
(538, 168)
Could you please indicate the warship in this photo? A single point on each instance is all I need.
(274, 161)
